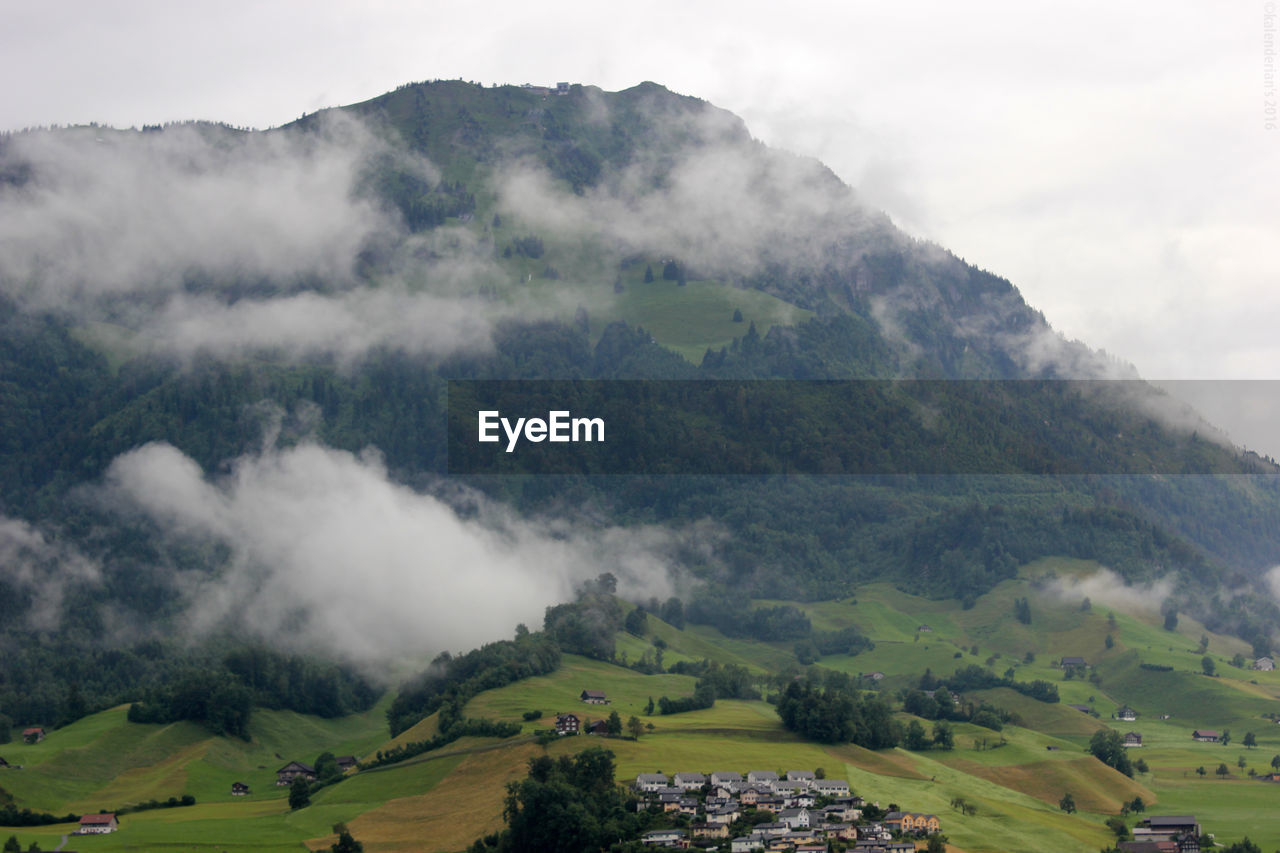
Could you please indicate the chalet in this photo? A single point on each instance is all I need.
(725, 777)
(651, 781)
(665, 838)
(594, 697)
(831, 787)
(911, 822)
(97, 824)
(924, 629)
(567, 724)
(749, 796)
(689, 781)
(1072, 661)
(1205, 735)
(1126, 714)
(1264, 664)
(35, 734)
(875, 676)
(347, 762)
(599, 727)
(1132, 739)
(239, 789)
(285, 775)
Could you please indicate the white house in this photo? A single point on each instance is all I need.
(651, 781)
(689, 781)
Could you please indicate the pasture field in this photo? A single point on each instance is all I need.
(1015, 777)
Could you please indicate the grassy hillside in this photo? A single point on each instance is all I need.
(1015, 777)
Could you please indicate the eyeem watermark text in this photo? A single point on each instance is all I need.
(558, 426)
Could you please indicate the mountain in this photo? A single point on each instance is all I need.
(225, 357)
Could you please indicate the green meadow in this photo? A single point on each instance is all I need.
(444, 799)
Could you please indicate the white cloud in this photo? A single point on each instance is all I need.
(331, 556)
(43, 568)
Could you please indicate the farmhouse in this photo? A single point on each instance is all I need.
(1205, 735)
(1072, 661)
(239, 789)
(1126, 714)
(35, 734)
(97, 824)
(1132, 739)
(599, 727)
(594, 697)
(567, 724)
(285, 775)
(346, 762)
(1264, 664)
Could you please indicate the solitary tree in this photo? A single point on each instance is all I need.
(1226, 737)
(1200, 771)
(635, 727)
(1067, 803)
(1249, 740)
(613, 725)
(299, 793)
(1223, 770)
(1206, 663)
(1275, 762)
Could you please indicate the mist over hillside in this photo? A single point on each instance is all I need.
(224, 356)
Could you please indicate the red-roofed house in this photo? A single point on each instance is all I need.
(98, 824)
(34, 734)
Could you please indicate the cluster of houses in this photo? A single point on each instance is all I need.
(713, 803)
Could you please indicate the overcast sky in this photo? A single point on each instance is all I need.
(1110, 160)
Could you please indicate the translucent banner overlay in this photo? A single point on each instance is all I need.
(844, 427)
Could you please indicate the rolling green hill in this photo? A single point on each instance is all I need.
(454, 794)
